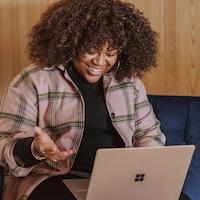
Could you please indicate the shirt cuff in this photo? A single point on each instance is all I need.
(22, 153)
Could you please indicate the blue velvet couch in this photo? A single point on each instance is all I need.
(180, 121)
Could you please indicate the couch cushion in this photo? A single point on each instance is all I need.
(192, 136)
(180, 122)
(172, 113)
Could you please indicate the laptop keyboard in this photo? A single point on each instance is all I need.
(82, 193)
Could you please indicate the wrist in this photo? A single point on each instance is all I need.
(36, 154)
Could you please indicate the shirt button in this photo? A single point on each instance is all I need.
(112, 115)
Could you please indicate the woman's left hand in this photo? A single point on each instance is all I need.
(46, 146)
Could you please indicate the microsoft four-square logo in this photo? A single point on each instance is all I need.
(139, 177)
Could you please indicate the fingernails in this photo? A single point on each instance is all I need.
(71, 151)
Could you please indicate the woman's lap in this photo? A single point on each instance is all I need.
(52, 189)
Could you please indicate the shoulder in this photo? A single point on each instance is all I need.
(35, 75)
(26, 74)
(34, 80)
(138, 87)
(135, 82)
(138, 84)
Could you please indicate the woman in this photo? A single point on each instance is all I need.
(82, 93)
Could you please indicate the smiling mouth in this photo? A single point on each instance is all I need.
(94, 71)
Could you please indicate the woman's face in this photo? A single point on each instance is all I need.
(94, 64)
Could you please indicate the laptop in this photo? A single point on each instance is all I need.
(150, 173)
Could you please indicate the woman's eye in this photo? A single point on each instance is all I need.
(91, 51)
(111, 54)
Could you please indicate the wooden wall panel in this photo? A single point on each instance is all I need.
(188, 49)
(161, 81)
(16, 19)
(179, 41)
(154, 11)
(178, 60)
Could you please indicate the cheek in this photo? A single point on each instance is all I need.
(113, 61)
(79, 66)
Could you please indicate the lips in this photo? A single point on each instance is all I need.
(94, 71)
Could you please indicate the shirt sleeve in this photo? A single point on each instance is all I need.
(147, 131)
(22, 153)
(18, 116)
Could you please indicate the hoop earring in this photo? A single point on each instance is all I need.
(118, 65)
(67, 62)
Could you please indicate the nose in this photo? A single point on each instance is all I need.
(99, 59)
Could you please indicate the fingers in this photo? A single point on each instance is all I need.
(60, 155)
(41, 137)
(50, 150)
(39, 131)
(40, 134)
(43, 143)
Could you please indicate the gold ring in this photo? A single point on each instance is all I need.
(42, 150)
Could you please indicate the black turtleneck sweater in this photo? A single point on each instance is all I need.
(98, 131)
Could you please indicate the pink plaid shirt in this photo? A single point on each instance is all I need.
(48, 98)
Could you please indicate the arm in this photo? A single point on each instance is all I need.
(18, 116)
(147, 131)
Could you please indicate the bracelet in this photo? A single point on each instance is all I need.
(35, 153)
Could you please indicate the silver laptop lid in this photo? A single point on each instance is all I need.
(139, 173)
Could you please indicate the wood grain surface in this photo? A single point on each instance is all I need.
(176, 21)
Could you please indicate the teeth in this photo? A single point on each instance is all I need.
(95, 71)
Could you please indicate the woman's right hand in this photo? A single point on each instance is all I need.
(46, 147)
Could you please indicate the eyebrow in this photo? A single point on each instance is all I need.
(112, 49)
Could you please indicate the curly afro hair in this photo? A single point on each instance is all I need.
(69, 28)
